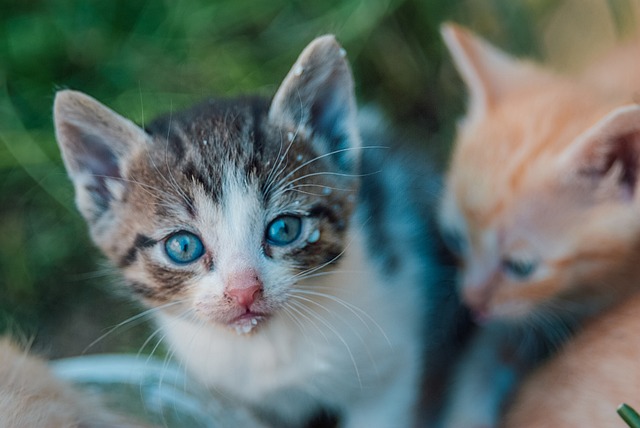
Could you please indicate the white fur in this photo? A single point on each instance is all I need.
(356, 350)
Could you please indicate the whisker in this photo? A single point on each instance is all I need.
(141, 106)
(357, 312)
(155, 333)
(300, 313)
(129, 321)
(324, 273)
(322, 186)
(325, 264)
(325, 155)
(331, 173)
(319, 267)
(173, 181)
(100, 273)
(344, 321)
(280, 166)
(287, 311)
(335, 332)
(144, 186)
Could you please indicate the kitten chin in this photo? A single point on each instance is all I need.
(289, 262)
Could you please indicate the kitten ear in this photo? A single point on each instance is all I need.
(609, 152)
(317, 98)
(95, 143)
(488, 72)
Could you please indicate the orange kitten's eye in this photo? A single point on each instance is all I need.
(454, 241)
(519, 270)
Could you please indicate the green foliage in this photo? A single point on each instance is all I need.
(146, 57)
(629, 415)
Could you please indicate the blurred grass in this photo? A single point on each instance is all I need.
(146, 57)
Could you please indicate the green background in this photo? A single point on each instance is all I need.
(146, 57)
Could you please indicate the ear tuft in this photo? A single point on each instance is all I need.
(95, 142)
(317, 98)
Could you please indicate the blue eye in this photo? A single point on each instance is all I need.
(284, 230)
(183, 247)
(519, 269)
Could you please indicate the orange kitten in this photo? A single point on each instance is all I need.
(542, 208)
(31, 397)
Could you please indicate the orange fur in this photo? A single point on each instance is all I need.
(584, 385)
(517, 185)
(543, 194)
(31, 397)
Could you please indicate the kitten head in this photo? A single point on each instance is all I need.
(216, 212)
(542, 201)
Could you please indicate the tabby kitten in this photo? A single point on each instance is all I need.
(541, 207)
(288, 267)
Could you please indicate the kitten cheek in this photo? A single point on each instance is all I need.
(208, 305)
(512, 310)
(518, 300)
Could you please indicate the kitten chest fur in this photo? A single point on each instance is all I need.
(302, 354)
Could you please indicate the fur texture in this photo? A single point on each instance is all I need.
(594, 374)
(31, 397)
(329, 318)
(541, 206)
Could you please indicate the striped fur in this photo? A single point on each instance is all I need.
(338, 321)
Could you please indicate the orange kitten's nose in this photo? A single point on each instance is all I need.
(476, 297)
(476, 301)
(243, 287)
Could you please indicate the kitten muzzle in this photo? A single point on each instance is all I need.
(246, 323)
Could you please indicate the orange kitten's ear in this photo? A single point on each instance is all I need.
(609, 152)
(488, 72)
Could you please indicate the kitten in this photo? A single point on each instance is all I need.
(541, 206)
(289, 268)
(30, 396)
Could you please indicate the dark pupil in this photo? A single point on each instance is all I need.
(182, 244)
(184, 247)
(280, 230)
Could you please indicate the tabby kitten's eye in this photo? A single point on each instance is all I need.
(183, 247)
(519, 269)
(284, 230)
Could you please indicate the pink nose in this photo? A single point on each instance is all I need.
(243, 287)
(475, 298)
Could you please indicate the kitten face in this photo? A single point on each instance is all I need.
(261, 217)
(217, 212)
(540, 199)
